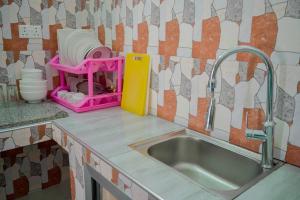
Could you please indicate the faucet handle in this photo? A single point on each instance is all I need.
(211, 85)
(256, 134)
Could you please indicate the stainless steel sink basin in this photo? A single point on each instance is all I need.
(216, 168)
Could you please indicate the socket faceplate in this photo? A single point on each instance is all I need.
(30, 31)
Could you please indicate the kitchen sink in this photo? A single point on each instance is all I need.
(218, 169)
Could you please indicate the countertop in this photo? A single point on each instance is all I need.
(108, 133)
(16, 114)
(283, 183)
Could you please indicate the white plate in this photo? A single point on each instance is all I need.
(74, 39)
(68, 42)
(64, 47)
(81, 48)
(62, 35)
(89, 45)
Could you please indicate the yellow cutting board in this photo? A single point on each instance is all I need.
(136, 83)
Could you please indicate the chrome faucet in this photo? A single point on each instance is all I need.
(266, 136)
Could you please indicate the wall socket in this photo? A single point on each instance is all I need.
(30, 31)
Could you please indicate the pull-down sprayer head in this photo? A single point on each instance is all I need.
(210, 115)
(211, 107)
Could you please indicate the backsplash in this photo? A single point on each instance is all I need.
(183, 37)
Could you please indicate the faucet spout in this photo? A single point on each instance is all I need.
(267, 135)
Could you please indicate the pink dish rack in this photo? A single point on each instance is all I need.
(90, 66)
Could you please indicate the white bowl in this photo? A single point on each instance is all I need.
(33, 82)
(34, 97)
(30, 70)
(33, 91)
(33, 88)
(32, 74)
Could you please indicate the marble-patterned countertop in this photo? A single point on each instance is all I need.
(108, 133)
(283, 183)
(16, 114)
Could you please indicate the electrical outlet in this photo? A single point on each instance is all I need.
(30, 31)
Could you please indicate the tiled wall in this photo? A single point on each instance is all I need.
(183, 37)
(30, 160)
(25, 136)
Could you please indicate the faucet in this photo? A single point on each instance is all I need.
(266, 135)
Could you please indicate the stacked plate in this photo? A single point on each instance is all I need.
(33, 88)
(76, 45)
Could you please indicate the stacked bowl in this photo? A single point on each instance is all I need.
(33, 88)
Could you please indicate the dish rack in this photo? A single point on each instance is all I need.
(89, 66)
